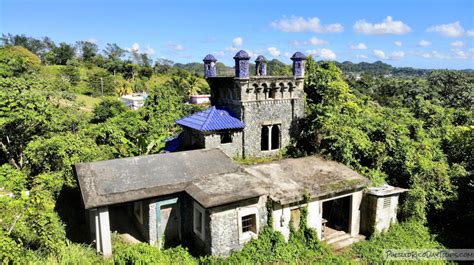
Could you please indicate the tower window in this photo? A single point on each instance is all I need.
(275, 137)
(270, 137)
(226, 138)
(265, 138)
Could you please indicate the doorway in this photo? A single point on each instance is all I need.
(171, 224)
(336, 214)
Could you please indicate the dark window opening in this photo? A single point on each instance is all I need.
(226, 138)
(272, 93)
(264, 139)
(249, 223)
(337, 213)
(275, 137)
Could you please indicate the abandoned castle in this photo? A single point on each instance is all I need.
(199, 196)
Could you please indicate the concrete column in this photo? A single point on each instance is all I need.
(100, 228)
(270, 128)
(356, 200)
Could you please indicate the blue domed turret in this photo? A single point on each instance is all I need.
(261, 66)
(242, 64)
(210, 66)
(298, 64)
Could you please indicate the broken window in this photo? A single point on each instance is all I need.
(226, 138)
(249, 223)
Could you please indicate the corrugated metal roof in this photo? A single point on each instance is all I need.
(212, 119)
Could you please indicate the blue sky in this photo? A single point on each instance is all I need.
(422, 34)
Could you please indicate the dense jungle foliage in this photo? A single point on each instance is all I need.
(59, 107)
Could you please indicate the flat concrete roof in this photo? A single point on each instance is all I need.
(285, 181)
(135, 178)
(212, 178)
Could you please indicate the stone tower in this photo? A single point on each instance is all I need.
(269, 106)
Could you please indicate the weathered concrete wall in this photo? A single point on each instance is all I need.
(282, 215)
(259, 101)
(377, 216)
(233, 149)
(225, 222)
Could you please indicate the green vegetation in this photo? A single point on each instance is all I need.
(413, 129)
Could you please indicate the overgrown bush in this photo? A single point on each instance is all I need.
(408, 235)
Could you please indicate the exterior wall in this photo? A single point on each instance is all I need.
(144, 225)
(282, 215)
(376, 217)
(153, 226)
(259, 101)
(225, 224)
(233, 149)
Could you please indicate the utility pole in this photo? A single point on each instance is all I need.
(102, 86)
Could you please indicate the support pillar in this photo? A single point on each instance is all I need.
(356, 200)
(100, 227)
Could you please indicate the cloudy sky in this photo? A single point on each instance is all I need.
(422, 34)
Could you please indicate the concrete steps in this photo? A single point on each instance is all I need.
(339, 240)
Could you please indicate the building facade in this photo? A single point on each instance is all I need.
(268, 106)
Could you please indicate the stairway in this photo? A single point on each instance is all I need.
(338, 240)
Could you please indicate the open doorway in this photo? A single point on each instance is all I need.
(336, 215)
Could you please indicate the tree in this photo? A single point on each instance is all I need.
(88, 50)
(112, 50)
(101, 83)
(454, 87)
(109, 107)
(16, 61)
(63, 53)
(71, 72)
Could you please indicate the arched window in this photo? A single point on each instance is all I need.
(275, 137)
(264, 139)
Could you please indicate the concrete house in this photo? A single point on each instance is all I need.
(203, 199)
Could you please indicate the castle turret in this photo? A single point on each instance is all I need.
(242, 64)
(209, 66)
(298, 64)
(261, 66)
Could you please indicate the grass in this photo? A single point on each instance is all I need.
(88, 101)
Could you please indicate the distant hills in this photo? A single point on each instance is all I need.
(276, 67)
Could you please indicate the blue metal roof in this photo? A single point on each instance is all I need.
(210, 58)
(261, 58)
(298, 56)
(242, 55)
(212, 119)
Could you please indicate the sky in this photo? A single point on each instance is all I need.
(420, 34)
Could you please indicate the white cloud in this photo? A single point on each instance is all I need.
(397, 55)
(460, 54)
(316, 41)
(449, 30)
(398, 43)
(136, 49)
(379, 54)
(237, 41)
(287, 54)
(328, 54)
(424, 43)
(457, 43)
(92, 40)
(231, 49)
(361, 56)
(300, 24)
(360, 46)
(175, 46)
(433, 55)
(470, 33)
(274, 51)
(388, 26)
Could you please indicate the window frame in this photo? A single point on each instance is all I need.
(248, 235)
(198, 209)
